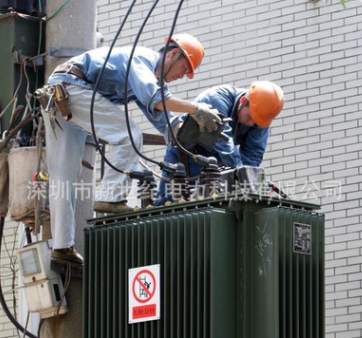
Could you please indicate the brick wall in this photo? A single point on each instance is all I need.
(313, 50)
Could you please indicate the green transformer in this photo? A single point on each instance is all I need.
(229, 268)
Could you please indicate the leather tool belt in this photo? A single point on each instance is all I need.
(67, 68)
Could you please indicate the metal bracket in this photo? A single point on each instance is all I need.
(31, 61)
(65, 52)
(237, 207)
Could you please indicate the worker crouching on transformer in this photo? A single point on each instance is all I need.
(66, 139)
(251, 111)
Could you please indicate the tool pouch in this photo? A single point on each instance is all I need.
(27, 199)
(62, 100)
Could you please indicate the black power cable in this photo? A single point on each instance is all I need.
(163, 80)
(126, 84)
(2, 299)
(96, 86)
(273, 188)
(199, 158)
(203, 160)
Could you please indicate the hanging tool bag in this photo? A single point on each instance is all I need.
(4, 184)
(62, 100)
(57, 94)
(28, 199)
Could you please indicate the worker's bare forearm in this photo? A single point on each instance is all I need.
(178, 106)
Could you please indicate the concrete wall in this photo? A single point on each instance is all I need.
(313, 50)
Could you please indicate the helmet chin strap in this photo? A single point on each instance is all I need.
(177, 56)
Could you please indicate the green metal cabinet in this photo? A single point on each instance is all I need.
(19, 37)
(229, 268)
(283, 283)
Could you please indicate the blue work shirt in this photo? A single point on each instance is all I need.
(246, 145)
(143, 85)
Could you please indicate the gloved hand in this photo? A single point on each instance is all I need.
(206, 117)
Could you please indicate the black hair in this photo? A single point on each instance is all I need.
(170, 47)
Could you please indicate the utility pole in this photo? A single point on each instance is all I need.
(70, 32)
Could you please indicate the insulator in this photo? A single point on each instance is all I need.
(145, 192)
(180, 188)
(210, 182)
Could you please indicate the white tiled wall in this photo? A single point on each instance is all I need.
(313, 51)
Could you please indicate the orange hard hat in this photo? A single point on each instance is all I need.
(191, 48)
(266, 100)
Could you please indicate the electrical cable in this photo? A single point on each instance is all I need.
(96, 86)
(14, 98)
(274, 188)
(23, 65)
(13, 261)
(22, 287)
(28, 95)
(57, 11)
(2, 299)
(204, 161)
(67, 280)
(126, 84)
(163, 81)
(7, 275)
(39, 47)
(166, 179)
(27, 322)
(144, 165)
(42, 321)
(162, 93)
(126, 92)
(197, 158)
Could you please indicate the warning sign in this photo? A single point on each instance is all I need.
(144, 294)
(302, 238)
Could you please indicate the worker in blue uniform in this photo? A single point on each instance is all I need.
(251, 112)
(65, 144)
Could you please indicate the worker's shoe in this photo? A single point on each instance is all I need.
(112, 207)
(67, 254)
